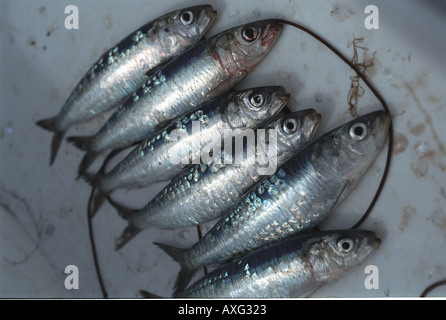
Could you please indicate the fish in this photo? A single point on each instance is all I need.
(163, 156)
(205, 71)
(205, 191)
(123, 69)
(295, 199)
(293, 267)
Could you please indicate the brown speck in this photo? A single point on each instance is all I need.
(44, 48)
(428, 119)
(49, 230)
(32, 42)
(400, 143)
(438, 218)
(421, 80)
(408, 212)
(418, 129)
(433, 99)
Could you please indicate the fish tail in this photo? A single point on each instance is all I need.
(148, 295)
(87, 160)
(128, 234)
(99, 199)
(50, 125)
(186, 273)
(84, 143)
(131, 230)
(91, 178)
(81, 142)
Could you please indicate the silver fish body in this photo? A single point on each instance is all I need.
(206, 191)
(122, 69)
(300, 195)
(205, 71)
(162, 156)
(292, 267)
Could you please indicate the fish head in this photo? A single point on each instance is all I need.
(295, 130)
(188, 25)
(248, 44)
(340, 250)
(351, 148)
(254, 106)
(366, 134)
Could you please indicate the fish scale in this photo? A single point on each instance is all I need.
(303, 192)
(162, 157)
(179, 89)
(293, 267)
(206, 191)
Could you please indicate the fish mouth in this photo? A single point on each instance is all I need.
(312, 121)
(281, 103)
(272, 31)
(207, 17)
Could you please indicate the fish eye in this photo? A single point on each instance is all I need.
(256, 100)
(345, 245)
(186, 17)
(289, 126)
(358, 131)
(249, 34)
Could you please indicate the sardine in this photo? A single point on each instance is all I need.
(163, 156)
(300, 195)
(122, 69)
(205, 71)
(206, 191)
(295, 266)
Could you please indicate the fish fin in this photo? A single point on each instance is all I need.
(84, 143)
(81, 142)
(128, 234)
(286, 110)
(148, 295)
(87, 160)
(99, 199)
(90, 178)
(93, 180)
(125, 212)
(185, 274)
(50, 125)
(131, 230)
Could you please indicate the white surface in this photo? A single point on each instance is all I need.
(43, 208)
